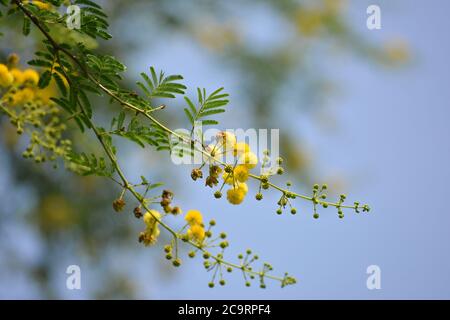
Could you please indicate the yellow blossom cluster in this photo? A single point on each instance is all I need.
(151, 233)
(310, 20)
(31, 111)
(243, 159)
(196, 231)
(22, 86)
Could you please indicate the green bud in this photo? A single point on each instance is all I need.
(176, 262)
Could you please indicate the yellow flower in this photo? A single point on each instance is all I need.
(249, 159)
(23, 96)
(241, 148)
(236, 195)
(196, 232)
(6, 78)
(194, 217)
(226, 140)
(31, 75)
(228, 178)
(243, 187)
(151, 233)
(241, 173)
(18, 76)
(150, 218)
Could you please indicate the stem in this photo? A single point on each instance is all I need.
(110, 154)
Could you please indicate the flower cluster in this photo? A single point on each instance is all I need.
(236, 174)
(196, 231)
(151, 233)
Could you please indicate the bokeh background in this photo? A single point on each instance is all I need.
(364, 111)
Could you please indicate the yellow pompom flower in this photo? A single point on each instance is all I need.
(150, 218)
(6, 78)
(196, 232)
(241, 148)
(226, 140)
(248, 159)
(241, 173)
(194, 217)
(236, 195)
(30, 75)
(228, 178)
(18, 76)
(243, 187)
(151, 233)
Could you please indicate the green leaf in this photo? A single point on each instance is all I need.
(208, 106)
(60, 83)
(26, 26)
(189, 115)
(86, 103)
(161, 86)
(44, 79)
(121, 120)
